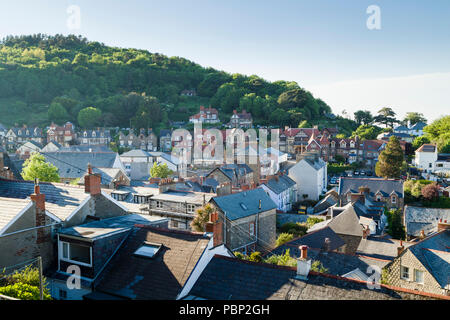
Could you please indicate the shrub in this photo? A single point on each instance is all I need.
(296, 229)
(23, 291)
(255, 257)
(317, 266)
(282, 259)
(312, 221)
(283, 238)
(430, 192)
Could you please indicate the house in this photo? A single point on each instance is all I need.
(420, 222)
(172, 162)
(189, 93)
(282, 190)
(310, 175)
(156, 263)
(3, 131)
(111, 178)
(247, 220)
(52, 146)
(135, 198)
(241, 120)
(99, 136)
(165, 140)
(71, 165)
(145, 140)
(271, 161)
(423, 266)
(230, 278)
(137, 163)
(345, 222)
(414, 130)
(401, 136)
(179, 206)
(428, 160)
(31, 213)
(16, 136)
(205, 115)
(387, 191)
(89, 247)
(64, 135)
(8, 168)
(26, 149)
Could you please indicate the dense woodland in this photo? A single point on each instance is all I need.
(68, 78)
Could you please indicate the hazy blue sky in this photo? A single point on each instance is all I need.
(324, 45)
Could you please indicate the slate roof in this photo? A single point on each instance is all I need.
(74, 164)
(160, 277)
(107, 174)
(385, 186)
(418, 126)
(9, 209)
(380, 248)
(244, 204)
(86, 148)
(95, 229)
(60, 200)
(434, 253)
(325, 203)
(136, 153)
(347, 222)
(419, 218)
(426, 147)
(280, 184)
(15, 165)
(314, 239)
(233, 279)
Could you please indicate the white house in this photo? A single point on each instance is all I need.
(426, 157)
(282, 190)
(414, 130)
(26, 149)
(310, 174)
(52, 146)
(137, 163)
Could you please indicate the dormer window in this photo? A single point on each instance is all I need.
(352, 144)
(343, 144)
(393, 199)
(19, 132)
(85, 134)
(333, 144)
(378, 197)
(28, 132)
(93, 134)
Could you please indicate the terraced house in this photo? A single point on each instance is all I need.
(16, 136)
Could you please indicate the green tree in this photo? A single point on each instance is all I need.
(419, 141)
(283, 238)
(57, 113)
(395, 226)
(201, 218)
(413, 118)
(366, 132)
(160, 170)
(89, 117)
(363, 117)
(390, 161)
(35, 167)
(386, 116)
(439, 132)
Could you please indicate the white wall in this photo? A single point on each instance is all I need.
(309, 180)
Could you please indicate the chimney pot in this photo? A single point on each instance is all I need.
(303, 264)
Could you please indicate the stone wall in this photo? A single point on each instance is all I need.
(407, 259)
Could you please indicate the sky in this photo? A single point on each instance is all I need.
(325, 46)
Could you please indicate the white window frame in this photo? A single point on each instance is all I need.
(190, 208)
(61, 257)
(159, 204)
(251, 228)
(393, 199)
(415, 276)
(402, 273)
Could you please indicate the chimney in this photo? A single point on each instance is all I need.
(303, 264)
(358, 196)
(92, 182)
(216, 227)
(326, 245)
(422, 234)
(366, 232)
(39, 202)
(401, 248)
(259, 206)
(443, 225)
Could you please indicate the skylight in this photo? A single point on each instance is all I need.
(243, 206)
(148, 250)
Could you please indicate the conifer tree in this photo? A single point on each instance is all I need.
(390, 161)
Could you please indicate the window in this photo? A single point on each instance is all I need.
(72, 252)
(190, 208)
(393, 199)
(62, 294)
(404, 272)
(430, 165)
(378, 197)
(252, 228)
(418, 276)
(148, 250)
(159, 204)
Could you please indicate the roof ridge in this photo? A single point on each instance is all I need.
(167, 230)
